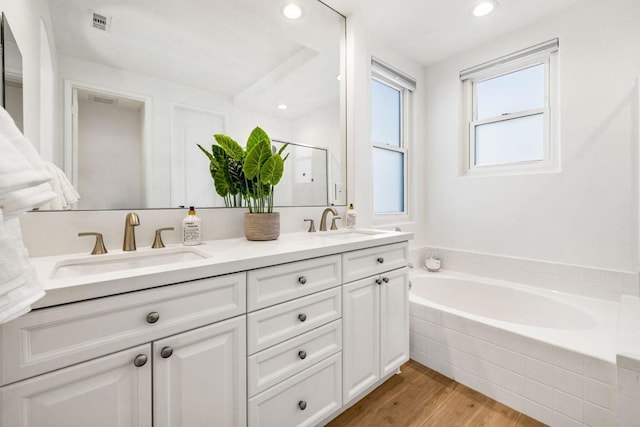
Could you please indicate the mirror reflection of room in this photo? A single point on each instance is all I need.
(132, 105)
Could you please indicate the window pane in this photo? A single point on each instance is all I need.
(510, 141)
(388, 181)
(385, 114)
(510, 93)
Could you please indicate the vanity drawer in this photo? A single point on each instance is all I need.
(276, 324)
(305, 399)
(55, 337)
(273, 285)
(281, 361)
(368, 262)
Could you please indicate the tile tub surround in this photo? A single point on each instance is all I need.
(574, 279)
(551, 384)
(628, 362)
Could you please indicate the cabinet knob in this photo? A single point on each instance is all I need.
(302, 280)
(379, 281)
(302, 354)
(380, 260)
(140, 360)
(302, 405)
(166, 352)
(385, 279)
(153, 317)
(302, 317)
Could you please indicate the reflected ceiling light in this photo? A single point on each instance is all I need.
(484, 8)
(338, 77)
(292, 11)
(282, 106)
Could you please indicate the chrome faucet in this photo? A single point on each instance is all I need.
(129, 243)
(323, 220)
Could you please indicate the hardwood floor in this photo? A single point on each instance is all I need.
(420, 396)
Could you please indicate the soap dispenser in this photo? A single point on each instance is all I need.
(191, 229)
(351, 217)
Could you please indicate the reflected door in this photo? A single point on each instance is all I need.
(191, 183)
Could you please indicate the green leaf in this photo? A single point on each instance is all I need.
(232, 148)
(272, 170)
(256, 157)
(257, 136)
(282, 149)
(208, 154)
(221, 183)
(219, 154)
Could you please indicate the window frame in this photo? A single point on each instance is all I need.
(549, 162)
(405, 111)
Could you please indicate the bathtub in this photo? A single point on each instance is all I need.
(547, 354)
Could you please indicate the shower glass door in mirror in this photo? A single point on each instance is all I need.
(143, 82)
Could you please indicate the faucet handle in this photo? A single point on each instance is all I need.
(157, 241)
(98, 248)
(333, 222)
(312, 227)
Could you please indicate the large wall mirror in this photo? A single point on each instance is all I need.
(142, 82)
(11, 87)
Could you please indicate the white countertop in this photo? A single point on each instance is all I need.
(225, 256)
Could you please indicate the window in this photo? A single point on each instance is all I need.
(390, 113)
(509, 111)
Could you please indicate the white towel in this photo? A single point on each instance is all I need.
(23, 186)
(23, 174)
(18, 293)
(66, 194)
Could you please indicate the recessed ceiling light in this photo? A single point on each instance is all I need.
(292, 11)
(484, 8)
(282, 106)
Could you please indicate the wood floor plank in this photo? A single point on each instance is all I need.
(421, 397)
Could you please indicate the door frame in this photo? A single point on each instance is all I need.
(70, 134)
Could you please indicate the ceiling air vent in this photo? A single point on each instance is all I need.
(100, 22)
(103, 99)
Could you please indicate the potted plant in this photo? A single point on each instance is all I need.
(247, 177)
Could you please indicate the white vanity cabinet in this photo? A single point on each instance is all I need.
(91, 363)
(295, 342)
(290, 344)
(375, 318)
(110, 391)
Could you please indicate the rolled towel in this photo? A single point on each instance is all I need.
(26, 199)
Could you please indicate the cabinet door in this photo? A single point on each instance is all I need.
(110, 391)
(361, 336)
(199, 376)
(394, 320)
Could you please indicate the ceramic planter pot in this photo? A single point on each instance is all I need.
(262, 226)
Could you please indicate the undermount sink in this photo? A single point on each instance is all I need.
(349, 234)
(97, 264)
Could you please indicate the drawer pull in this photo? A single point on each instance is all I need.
(166, 352)
(385, 279)
(379, 281)
(153, 317)
(380, 260)
(140, 360)
(302, 317)
(302, 405)
(302, 354)
(302, 280)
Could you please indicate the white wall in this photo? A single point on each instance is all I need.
(361, 46)
(24, 18)
(588, 213)
(109, 156)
